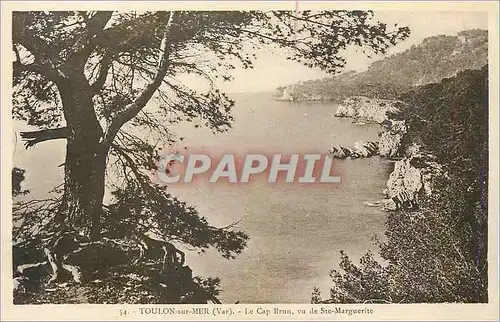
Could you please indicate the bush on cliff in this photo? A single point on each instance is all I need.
(439, 252)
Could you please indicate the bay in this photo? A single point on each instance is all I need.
(296, 231)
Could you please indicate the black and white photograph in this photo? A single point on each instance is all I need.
(295, 155)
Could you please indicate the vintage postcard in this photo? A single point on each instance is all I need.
(287, 160)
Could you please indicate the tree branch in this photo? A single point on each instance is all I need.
(95, 25)
(38, 48)
(112, 38)
(130, 162)
(16, 51)
(41, 69)
(33, 137)
(103, 73)
(135, 107)
(97, 22)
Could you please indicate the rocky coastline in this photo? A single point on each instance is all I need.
(413, 171)
(293, 93)
(367, 110)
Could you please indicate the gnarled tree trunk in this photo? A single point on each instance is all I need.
(85, 163)
(85, 169)
(84, 177)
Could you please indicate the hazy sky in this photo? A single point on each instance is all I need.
(272, 70)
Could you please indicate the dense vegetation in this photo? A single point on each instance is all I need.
(435, 58)
(438, 252)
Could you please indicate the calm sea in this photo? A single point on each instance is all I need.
(296, 232)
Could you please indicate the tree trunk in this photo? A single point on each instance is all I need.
(84, 173)
(85, 164)
(84, 186)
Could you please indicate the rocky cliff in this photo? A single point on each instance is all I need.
(367, 110)
(411, 178)
(390, 139)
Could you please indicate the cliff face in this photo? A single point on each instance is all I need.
(412, 177)
(388, 146)
(284, 94)
(404, 178)
(367, 110)
(390, 140)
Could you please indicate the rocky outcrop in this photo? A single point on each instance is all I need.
(390, 139)
(365, 149)
(411, 178)
(360, 149)
(299, 93)
(287, 94)
(367, 110)
(339, 152)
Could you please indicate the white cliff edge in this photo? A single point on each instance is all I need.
(390, 139)
(367, 110)
(411, 179)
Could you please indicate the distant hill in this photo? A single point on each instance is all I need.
(435, 58)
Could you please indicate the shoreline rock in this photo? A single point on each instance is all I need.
(367, 110)
(360, 149)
